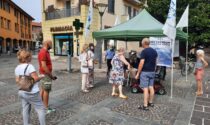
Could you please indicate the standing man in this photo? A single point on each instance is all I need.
(108, 57)
(45, 68)
(146, 70)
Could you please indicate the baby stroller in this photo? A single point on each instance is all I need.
(158, 87)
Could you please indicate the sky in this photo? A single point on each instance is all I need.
(32, 7)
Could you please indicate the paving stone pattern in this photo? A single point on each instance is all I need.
(15, 117)
(201, 112)
(97, 107)
(164, 113)
(100, 122)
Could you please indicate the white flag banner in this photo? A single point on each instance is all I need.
(89, 19)
(117, 21)
(169, 28)
(183, 22)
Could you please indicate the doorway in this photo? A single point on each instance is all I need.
(63, 44)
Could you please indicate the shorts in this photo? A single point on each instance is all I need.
(46, 83)
(147, 79)
(199, 74)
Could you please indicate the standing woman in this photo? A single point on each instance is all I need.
(91, 65)
(200, 64)
(117, 73)
(33, 97)
(83, 58)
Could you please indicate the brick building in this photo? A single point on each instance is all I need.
(15, 27)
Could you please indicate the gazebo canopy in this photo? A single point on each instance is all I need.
(142, 25)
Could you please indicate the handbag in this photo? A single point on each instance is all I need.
(25, 82)
(88, 63)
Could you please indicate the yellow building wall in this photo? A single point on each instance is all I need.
(47, 24)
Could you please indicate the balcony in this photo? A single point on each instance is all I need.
(62, 13)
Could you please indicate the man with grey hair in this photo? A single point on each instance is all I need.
(146, 70)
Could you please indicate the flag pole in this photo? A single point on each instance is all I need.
(172, 67)
(186, 55)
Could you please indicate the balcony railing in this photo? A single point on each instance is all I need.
(61, 13)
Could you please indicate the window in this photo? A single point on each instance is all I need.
(21, 19)
(134, 12)
(8, 26)
(17, 27)
(2, 22)
(5, 22)
(1, 3)
(111, 5)
(63, 44)
(25, 21)
(16, 13)
(7, 7)
(129, 12)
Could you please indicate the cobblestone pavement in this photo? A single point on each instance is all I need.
(97, 107)
(201, 111)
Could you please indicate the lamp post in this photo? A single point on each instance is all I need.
(101, 9)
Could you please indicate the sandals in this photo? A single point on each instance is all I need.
(85, 91)
(90, 86)
(123, 97)
(151, 104)
(199, 93)
(115, 94)
(145, 108)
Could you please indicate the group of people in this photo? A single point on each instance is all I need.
(115, 72)
(87, 67)
(39, 97)
(145, 72)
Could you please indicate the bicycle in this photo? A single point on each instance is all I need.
(190, 65)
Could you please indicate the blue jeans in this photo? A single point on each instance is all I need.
(147, 79)
(34, 99)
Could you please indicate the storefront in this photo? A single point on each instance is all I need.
(63, 44)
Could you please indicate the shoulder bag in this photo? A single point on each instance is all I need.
(25, 82)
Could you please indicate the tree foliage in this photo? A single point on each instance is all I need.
(199, 16)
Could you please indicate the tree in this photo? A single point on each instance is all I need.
(199, 16)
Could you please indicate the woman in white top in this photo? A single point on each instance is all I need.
(83, 58)
(32, 97)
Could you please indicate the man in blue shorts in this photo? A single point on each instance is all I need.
(146, 70)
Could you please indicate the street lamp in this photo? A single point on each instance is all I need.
(101, 9)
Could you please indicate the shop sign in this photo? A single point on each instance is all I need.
(61, 28)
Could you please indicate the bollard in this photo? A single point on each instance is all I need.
(69, 63)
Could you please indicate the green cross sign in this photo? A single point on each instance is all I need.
(77, 24)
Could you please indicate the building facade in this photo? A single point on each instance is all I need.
(58, 17)
(36, 34)
(15, 27)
